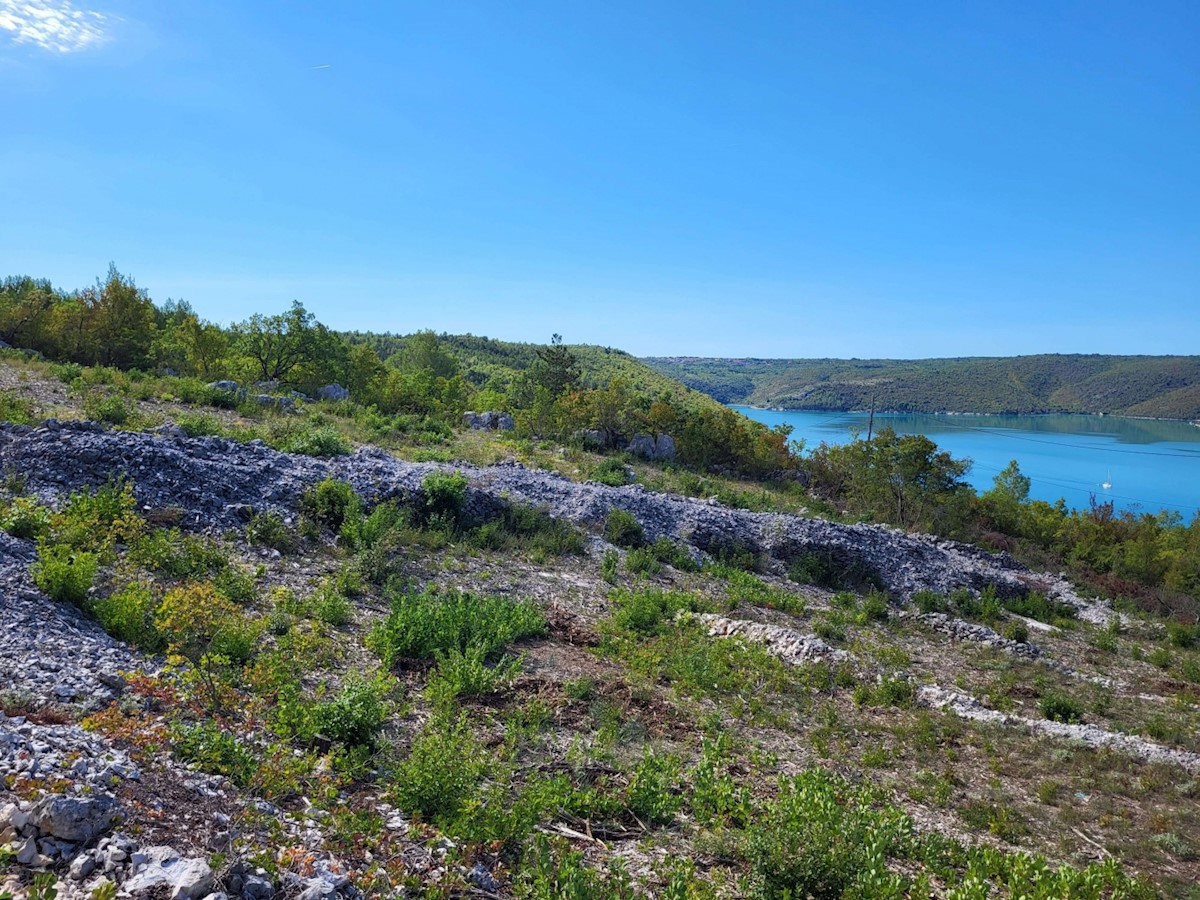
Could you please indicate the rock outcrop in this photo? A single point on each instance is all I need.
(216, 481)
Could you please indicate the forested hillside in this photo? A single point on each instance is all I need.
(419, 384)
(1154, 386)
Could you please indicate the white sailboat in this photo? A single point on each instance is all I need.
(1107, 482)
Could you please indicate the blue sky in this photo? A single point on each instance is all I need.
(726, 179)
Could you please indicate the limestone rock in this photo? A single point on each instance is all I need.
(642, 445)
(168, 873)
(333, 392)
(76, 819)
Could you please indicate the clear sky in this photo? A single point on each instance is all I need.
(896, 179)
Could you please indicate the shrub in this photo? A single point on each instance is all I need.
(267, 529)
(322, 440)
(875, 607)
(332, 607)
(822, 838)
(929, 602)
(215, 751)
(331, 502)
(649, 611)
(893, 691)
(97, 520)
(16, 409)
(670, 553)
(111, 409)
(355, 715)
(128, 615)
(611, 471)
(199, 424)
(464, 673)
(443, 769)
(178, 554)
(431, 623)
(444, 496)
(653, 794)
(1183, 636)
(25, 518)
(359, 532)
(535, 531)
(608, 565)
(63, 573)
(207, 630)
(622, 529)
(1060, 708)
(822, 568)
(1017, 631)
(642, 561)
(1035, 605)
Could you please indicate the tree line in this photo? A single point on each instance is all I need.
(554, 390)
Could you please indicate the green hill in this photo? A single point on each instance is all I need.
(1153, 386)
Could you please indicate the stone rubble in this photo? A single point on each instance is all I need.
(793, 647)
(216, 481)
(968, 707)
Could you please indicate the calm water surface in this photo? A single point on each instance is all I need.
(1151, 465)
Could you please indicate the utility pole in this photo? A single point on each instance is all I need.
(871, 420)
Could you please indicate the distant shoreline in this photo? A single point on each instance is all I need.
(922, 412)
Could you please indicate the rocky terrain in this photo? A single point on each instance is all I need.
(939, 712)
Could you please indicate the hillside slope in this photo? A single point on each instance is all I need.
(556, 683)
(1153, 386)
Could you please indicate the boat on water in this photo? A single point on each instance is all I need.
(1107, 482)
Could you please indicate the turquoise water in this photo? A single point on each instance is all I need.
(1150, 464)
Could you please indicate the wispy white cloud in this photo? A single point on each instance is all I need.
(54, 25)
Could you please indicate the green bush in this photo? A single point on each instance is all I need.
(424, 625)
(215, 751)
(929, 602)
(822, 838)
(642, 561)
(332, 607)
(444, 499)
(97, 520)
(63, 573)
(653, 792)
(111, 409)
(443, 770)
(128, 615)
(178, 554)
(669, 553)
(611, 471)
(267, 529)
(322, 440)
(25, 518)
(331, 502)
(534, 531)
(1060, 708)
(1017, 631)
(355, 715)
(650, 611)
(16, 409)
(1035, 605)
(465, 673)
(1183, 636)
(199, 424)
(359, 532)
(608, 565)
(622, 529)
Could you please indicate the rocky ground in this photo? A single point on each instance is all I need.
(958, 741)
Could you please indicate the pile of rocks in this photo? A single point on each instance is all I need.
(792, 646)
(54, 652)
(216, 480)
